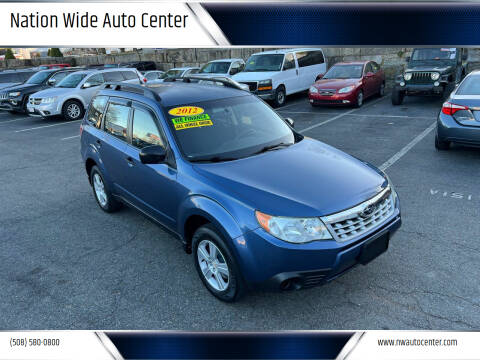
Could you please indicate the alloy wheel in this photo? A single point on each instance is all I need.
(213, 265)
(99, 187)
(73, 111)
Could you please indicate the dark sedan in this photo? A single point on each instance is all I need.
(459, 120)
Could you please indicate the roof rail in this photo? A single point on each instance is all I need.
(226, 81)
(137, 89)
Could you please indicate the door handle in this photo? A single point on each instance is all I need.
(98, 142)
(130, 161)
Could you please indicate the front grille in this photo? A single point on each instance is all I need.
(362, 218)
(421, 77)
(34, 101)
(3, 96)
(328, 102)
(327, 92)
(251, 85)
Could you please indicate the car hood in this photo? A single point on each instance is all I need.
(7, 85)
(254, 75)
(307, 179)
(439, 68)
(335, 83)
(27, 87)
(52, 92)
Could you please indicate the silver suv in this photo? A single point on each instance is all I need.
(71, 96)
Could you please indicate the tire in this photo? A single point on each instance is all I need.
(106, 201)
(381, 91)
(72, 110)
(397, 97)
(440, 144)
(226, 285)
(359, 100)
(280, 97)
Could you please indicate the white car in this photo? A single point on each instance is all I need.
(222, 68)
(71, 96)
(272, 75)
(153, 75)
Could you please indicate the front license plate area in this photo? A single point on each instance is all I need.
(373, 249)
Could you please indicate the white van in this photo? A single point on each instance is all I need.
(274, 74)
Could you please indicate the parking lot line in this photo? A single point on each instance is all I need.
(71, 137)
(19, 119)
(47, 126)
(365, 115)
(340, 115)
(407, 148)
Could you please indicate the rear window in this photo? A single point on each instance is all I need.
(129, 75)
(469, 86)
(113, 76)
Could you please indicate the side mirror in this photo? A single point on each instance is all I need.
(86, 85)
(234, 71)
(52, 82)
(290, 121)
(407, 59)
(369, 74)
(319, 77)
(154, 154)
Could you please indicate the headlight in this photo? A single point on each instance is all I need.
(407, 76)
(313, 89)
(49, 100)
(14, 94)
(346, 89)
(435, 75)
(265, 84)
(293, 230)
(392, 188)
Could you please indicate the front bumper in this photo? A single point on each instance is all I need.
(11, 105)
(268, 262)
(450, 130)
(43, 110)
(336, 99)
(421, 89)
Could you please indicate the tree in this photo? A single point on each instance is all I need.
(54, 52)
(9, 55)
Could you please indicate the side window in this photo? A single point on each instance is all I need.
(96, 80)
(368, 68)
(95, 110)
(145, 131)
(289, 62)
(308, 58)
(116, 120)
(113, 76)
(150, 76)
(375, 66)
(129, 75)
(194, 71)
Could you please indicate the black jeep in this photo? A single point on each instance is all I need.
(430, 71)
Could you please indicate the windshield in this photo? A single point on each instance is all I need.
(434, 54)
(344, 72)
(267, 62)
(227, 129)
(469, 86)
(71, 81)
(215, 67)
(171, 73)
(39, 77)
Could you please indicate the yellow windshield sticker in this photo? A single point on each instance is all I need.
(186, 111)
(187, 122)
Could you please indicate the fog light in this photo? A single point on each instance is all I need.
(402, 83)
(346, 101)
(46, 112)
(436, 83)
(311, 100)
(14, 102)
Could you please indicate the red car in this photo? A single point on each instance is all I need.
(348, 83)
(53, 66)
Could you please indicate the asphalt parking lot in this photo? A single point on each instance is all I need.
(65, 264)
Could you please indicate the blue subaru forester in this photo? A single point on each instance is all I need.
(257, 203)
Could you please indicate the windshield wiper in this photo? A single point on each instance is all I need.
(273, 147)
(214, 159)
